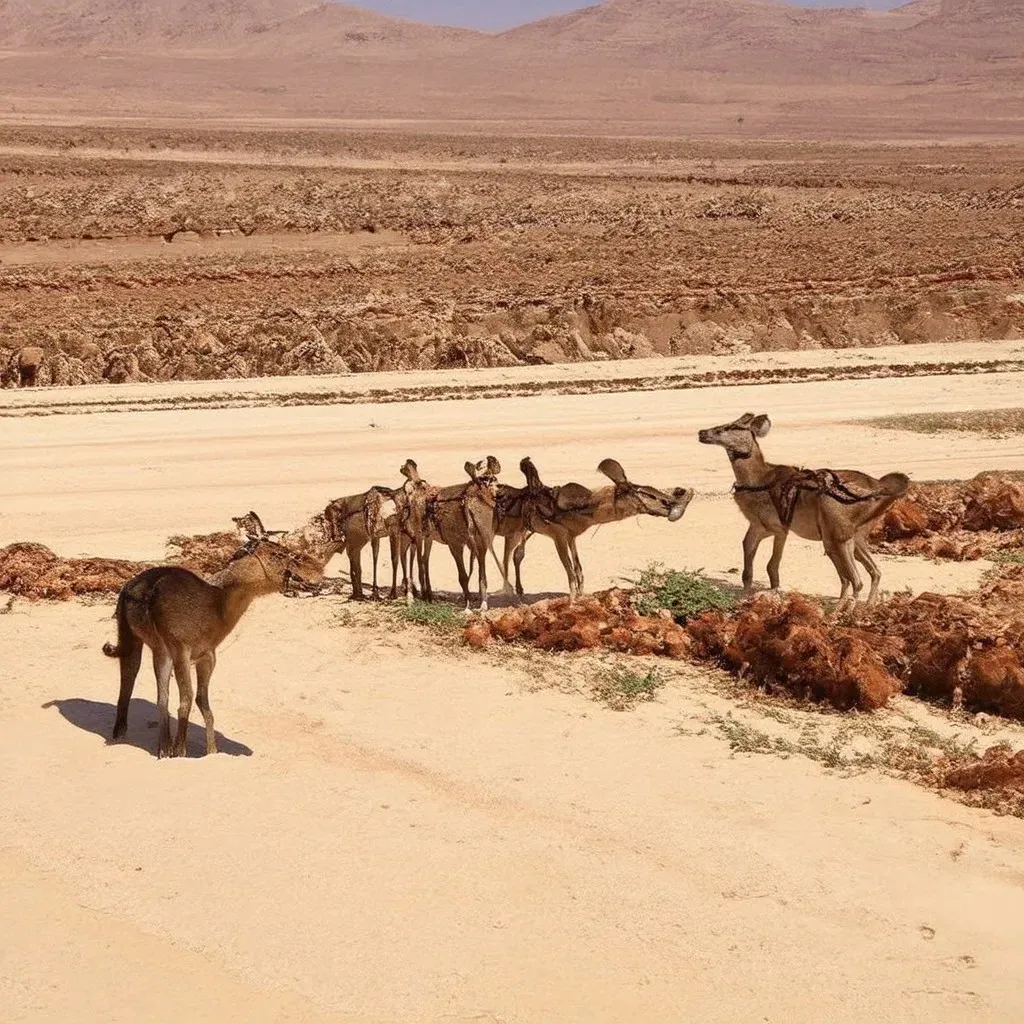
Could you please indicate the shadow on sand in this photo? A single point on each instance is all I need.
(97, 717)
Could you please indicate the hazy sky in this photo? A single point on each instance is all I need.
(496, 14)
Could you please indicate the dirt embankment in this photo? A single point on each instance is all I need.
(525, 262)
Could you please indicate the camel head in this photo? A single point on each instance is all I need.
(271, 565)
(740, 437)
(642, 499)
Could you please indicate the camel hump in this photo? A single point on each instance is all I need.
(573, 498)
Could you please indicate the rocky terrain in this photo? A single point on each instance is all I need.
(160, 254)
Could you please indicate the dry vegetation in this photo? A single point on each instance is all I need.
(444, 251)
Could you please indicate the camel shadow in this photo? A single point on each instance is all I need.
(97, 717)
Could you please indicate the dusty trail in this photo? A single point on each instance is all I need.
(416, 837)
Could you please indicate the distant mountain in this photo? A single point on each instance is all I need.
(222, 26)
(930, 66)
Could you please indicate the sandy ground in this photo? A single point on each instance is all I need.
(393, 834)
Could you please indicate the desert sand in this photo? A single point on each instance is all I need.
(401, 832)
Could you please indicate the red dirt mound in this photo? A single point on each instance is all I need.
(959, 521)
(204, 553)
(788, 645)
(998, 769)
(34, 572)
(605, 620)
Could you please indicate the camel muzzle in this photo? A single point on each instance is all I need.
(684, 496)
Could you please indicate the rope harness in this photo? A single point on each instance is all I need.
(786, 494)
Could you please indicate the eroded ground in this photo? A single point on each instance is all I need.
(161, 254)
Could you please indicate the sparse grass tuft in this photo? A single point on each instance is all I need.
(685, 594)
(989, 423)
(623, 688)
(443, 617)
(1009, 556)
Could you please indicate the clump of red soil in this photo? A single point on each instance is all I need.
(204, 553)
(34, 572)
(788, 645)
(960, 521)
(605, 620)
(967, 651)
(999, 768)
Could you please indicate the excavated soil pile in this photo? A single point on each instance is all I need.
(966, 650)
(34, 572)
(790, 646)
(961, 521)
(999, 769)
(205, 553)
(605, 620)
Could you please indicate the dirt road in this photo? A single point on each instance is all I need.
(402, 835)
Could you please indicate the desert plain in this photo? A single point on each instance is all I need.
(401, 828)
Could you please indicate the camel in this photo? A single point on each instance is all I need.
(565, 513)
(183, 619)
(462, 516)
(836, 507)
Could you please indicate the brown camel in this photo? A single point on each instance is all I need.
(834, 506)
(183, 618)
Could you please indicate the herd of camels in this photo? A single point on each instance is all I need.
(183, 618)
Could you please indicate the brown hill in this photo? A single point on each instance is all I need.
(930, 67)
(222, 27)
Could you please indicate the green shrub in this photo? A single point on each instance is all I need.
(623, 688)
(685, 594)
(440, 616)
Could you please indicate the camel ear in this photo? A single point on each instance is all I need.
(745, 419)
(471, 470)
(493, 466)
(760, 425)
(251, 526)
(613, 471)
(529, 470)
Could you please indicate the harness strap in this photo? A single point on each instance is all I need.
(786, 493)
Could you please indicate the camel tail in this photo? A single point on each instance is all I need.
(895, 484)
(123, 631)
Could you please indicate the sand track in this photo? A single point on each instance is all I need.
(401, 836)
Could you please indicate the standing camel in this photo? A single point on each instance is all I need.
(183, 619)
(835, 506)
(565, 513)
(462, 516)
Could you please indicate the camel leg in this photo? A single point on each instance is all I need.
(778, 546)
(131, 659)
(576, 564)
(565, 555)
(482, 559)
(204, 669)
(355, 569)
(162, 668)
(423, 556)
(863, 555)
(517, 560)
(397, 556)
(183, 675)
(375, 555)
(841, 554)
(460, 565)
(751, 542)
